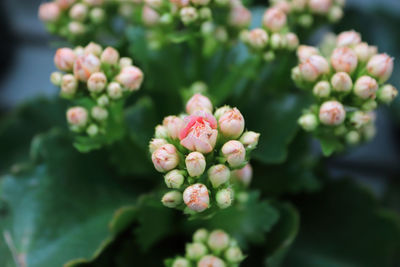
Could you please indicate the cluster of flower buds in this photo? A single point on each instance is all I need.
(274, 35)
(215, 249)
(305, 13)
(74, 19)
(204, 156)
(97, 79)
(348, 85)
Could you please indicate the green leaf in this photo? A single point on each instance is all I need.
(330, 146)
(344, 225)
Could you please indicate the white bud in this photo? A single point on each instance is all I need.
(172, 199)
(387, 93)
(349, 38)
(224, 198)
(56, 78)
(274, 19)
(114, 90)
(110, 56)
(103, 101)
(218, 240)
(77, 116)
(97, 82)
(320, 6)
(362, 51)
(234, 255)
(257, 38)
(97, 15)
(196, 197)
(381, 67)
(359, 119)
(99, 113)
(332, 113)
(125, 62)
(69, 85)
(322, 89)
(218, 175)
(174, 179)
(78, 12)
(195, 164)
(353, 138)
(234, 152)
(344, 59)
(366, 87)
(92, 130)
(292, 41)
(308, 122)
(341, 82)
(181, 262)
(313, 67)
(161, 132)
(250, 140)
(195, 251)
(76, 28)
(201, 235)
(156, 143)
(189, 15)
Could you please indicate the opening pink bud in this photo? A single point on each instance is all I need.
(366, 87)
(174, 125)
(381, 67)
(234, 153)
(332, 113)
(344, 59)
(165, 158)
(78, 12)
(243, 175)
(97, 82)
(49, 12)
(274, 19)
(77, 116)
(349, 38)
(85, 66)
(257, 38)
(211, 261)
(110, 56)
(64, 59)
(283, 6)
(196, 197)
(320, 6)
(150, 17)
(239, 16)
(341, 82)
(218, 175)
(218, 240)
(69, 85)
(198, 102)
(231, 123)
(195, 164)
(156, 143)
(313, 67)
(304, 52)
(130, 77)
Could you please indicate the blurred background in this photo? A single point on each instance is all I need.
(27, 61)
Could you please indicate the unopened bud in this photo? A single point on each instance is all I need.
(218, 175)
(308, 122)
(366, 87)
(188, 15)
(77, 116)
(224, 198)
(110, 56)
(174, 125)
(250, 140)
(269, 56)
(231, 123)
(313, 67)
(69, 85)
(306, 20)
(92, 130)
(85, 66)
(173, 179)
(150, 17)
(358, 119)
(56, 78)
(335, 14)
(97, 82)
(79, 51)
(320, 6)
(195, 164)
(332, 113)
(344, 59)
(363, 51)
(114, 90)
(243, 175)
(292, 41)
(239, 16)
(278, 41)
(199, 87)
(161, 132)
(195, 251)
(211, 261)
(165, 158)
(304, 52)
(298, 5)
(205, 13)
(341, 82)
(154, 3)
(322, 89)
(257, 38)
(218, 240)
(99, 113)
(221, 34)
(49, 12)
(196, 197)
(349, 38)
(234, 255)
(76, 28)
(381, 67)
(201, 236)
(172, 199)
(78, 12)
(181, 262)
(353, 138)
(198, 102)
(156, 143)
(234, 152)
(296, 74)
(125, 62)
(64, 59)
(97, 15)
(387, 93)
(130, 77)
(103, 100)
(274, 19)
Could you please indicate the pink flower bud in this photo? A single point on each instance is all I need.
(161, 132)
(313, 67)
(257, 38)
(239, 16)
(199, 134)
(93, 48)
(250, 140)
(198, 102)
(85, 66)
(97, 82)
(110, 56)
(114, 90)
(274, 19)
(156, 143)
(150, 17)
(218, 175)
(218, 240)
(196, 197)
(234, 152)
(211, 261)
(381, 67)
(76, 28)
(130, 77)
(64, 59)
(283, 6)
(292, 41)
(125, 62)
(335, 14)
(195, 164)
(344, 59)
(65, 4)
(174, 125)
(366, 87)
(174, 179)
(304, 52)
(387, 94)
(362, 51)
(224, 198)
(341, 82)
(69, 85)
(78, 12)
(172, 199)
(349, 38)
(320, 6)
(49, 12)
(188, 15)
(332, 113)
(165, 158)
(243, 175)
(322, 89)
(231, 123)
(77, 116)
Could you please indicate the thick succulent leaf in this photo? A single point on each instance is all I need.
(344, 225)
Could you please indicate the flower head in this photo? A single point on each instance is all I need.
(196, 197)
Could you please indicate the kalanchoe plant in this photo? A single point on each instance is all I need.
(204, 156)
(97, 81)
(348, 84)
(209, 249)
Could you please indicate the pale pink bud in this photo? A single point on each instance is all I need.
(201, 235)
(278, 41)
(305, 51)
(359, 118)
(196, 197)
(335, 14)
(76, 28)
(174, 125)
(344, 59)
(79, 50)
(69, 85)
(161, 132)
(218, 175)
(366, 87)
(298, 5)
(130, 77)
(97, 82)
(387, 93)
(93, 48)
(341, 82)
(221, 111)
(77, 116)
(195, 251)
(181, 262)
(85, 66)
(64, 59)
(78, 12)
(332, 113)
(172, 199)
(243, 175)
(257, 38)
(165, 158)
(381, 67)
(110, 56)
(65, 4)
(211, 261)
(292, 41)
(94, 2)
(97, 14)
(231, 123)
(234, 152)
(153, 3)
(224, 198)
(114, 90)
(188, 15)
(174, 179)
(313, 67)
(362, 51)
(156, 143)
(320, 6)
(125, 62)
(322, 89)
(198, 102)
(349, 38)
(308, 122)
(283, 6)
(250, 140)
(218, 240)
(274, 19)
(195, 164)
(234, 255)
(150, 17)
(49, 12)
(56, 78)
(99, 113)
(200, 2)
(239, 16)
